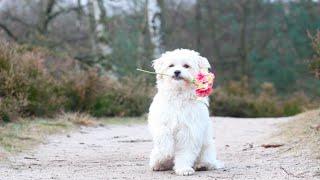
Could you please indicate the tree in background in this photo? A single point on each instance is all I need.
(54, 24)
(258, 39)
(257, 48)
(156, 22)
(266, 41)
(315, 61)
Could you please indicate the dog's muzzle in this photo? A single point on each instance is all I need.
(177, 75)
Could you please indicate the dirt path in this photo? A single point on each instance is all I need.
(121, 152)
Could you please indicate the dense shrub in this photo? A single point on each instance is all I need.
(35, 82)
(131, 98)
(25, 89)
(237, 99)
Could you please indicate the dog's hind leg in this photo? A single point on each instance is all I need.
(208, 158)
(161, 157)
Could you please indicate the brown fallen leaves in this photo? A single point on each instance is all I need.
(271, 145)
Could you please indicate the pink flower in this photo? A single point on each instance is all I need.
(204, 92)
(201, 77)
(203, 83)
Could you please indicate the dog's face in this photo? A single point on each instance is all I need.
(179, 66)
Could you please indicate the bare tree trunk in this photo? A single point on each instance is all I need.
(198, 20)
(243, 51)
(46, 17)
(145, 40)
(154, 21)
(98, 32)
(213, 28)
(101, 20)
(80, 13)
(162, 6)
(99, 14)
(92, 29)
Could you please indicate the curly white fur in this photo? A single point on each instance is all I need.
(179, 122)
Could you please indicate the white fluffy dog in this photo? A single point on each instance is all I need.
(178, 121)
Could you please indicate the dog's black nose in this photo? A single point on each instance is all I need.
(177, 73)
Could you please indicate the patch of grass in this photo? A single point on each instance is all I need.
(123, 120)
(27, 133)
(17, 136)
(303, 132)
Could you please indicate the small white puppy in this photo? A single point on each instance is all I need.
(179, 122)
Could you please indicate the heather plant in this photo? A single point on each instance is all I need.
(36, 82)
(238, 100)
(131, 98)
(25, 89)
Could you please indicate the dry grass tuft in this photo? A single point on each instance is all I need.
(23, 134)
(81, 119)
(27, 133)
(301, 132)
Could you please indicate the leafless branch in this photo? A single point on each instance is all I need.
(16, 19)
(63, 11)
(9, 33)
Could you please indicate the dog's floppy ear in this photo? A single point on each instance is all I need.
(157, 64)
(203, 63)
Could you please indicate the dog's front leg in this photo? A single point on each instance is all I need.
(161, 157)
(186, 153)
(208, 158)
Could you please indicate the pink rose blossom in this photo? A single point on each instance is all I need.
(204, 92)
(201, 77)
(203, 83)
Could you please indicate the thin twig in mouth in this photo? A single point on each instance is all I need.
(150, 72)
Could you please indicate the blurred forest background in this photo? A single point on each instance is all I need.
(82, 55)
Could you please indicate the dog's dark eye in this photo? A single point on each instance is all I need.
(186, 66)
(171, 65)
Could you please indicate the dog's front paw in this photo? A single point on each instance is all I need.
(184, 171)
(156, 167)
(209, 166)
(202, 167)
(163, 165)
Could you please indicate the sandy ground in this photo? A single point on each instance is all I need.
(122, 152)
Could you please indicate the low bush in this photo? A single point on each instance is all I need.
(25, 89)
(35, 82)
(132, 98)
(238, 100)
